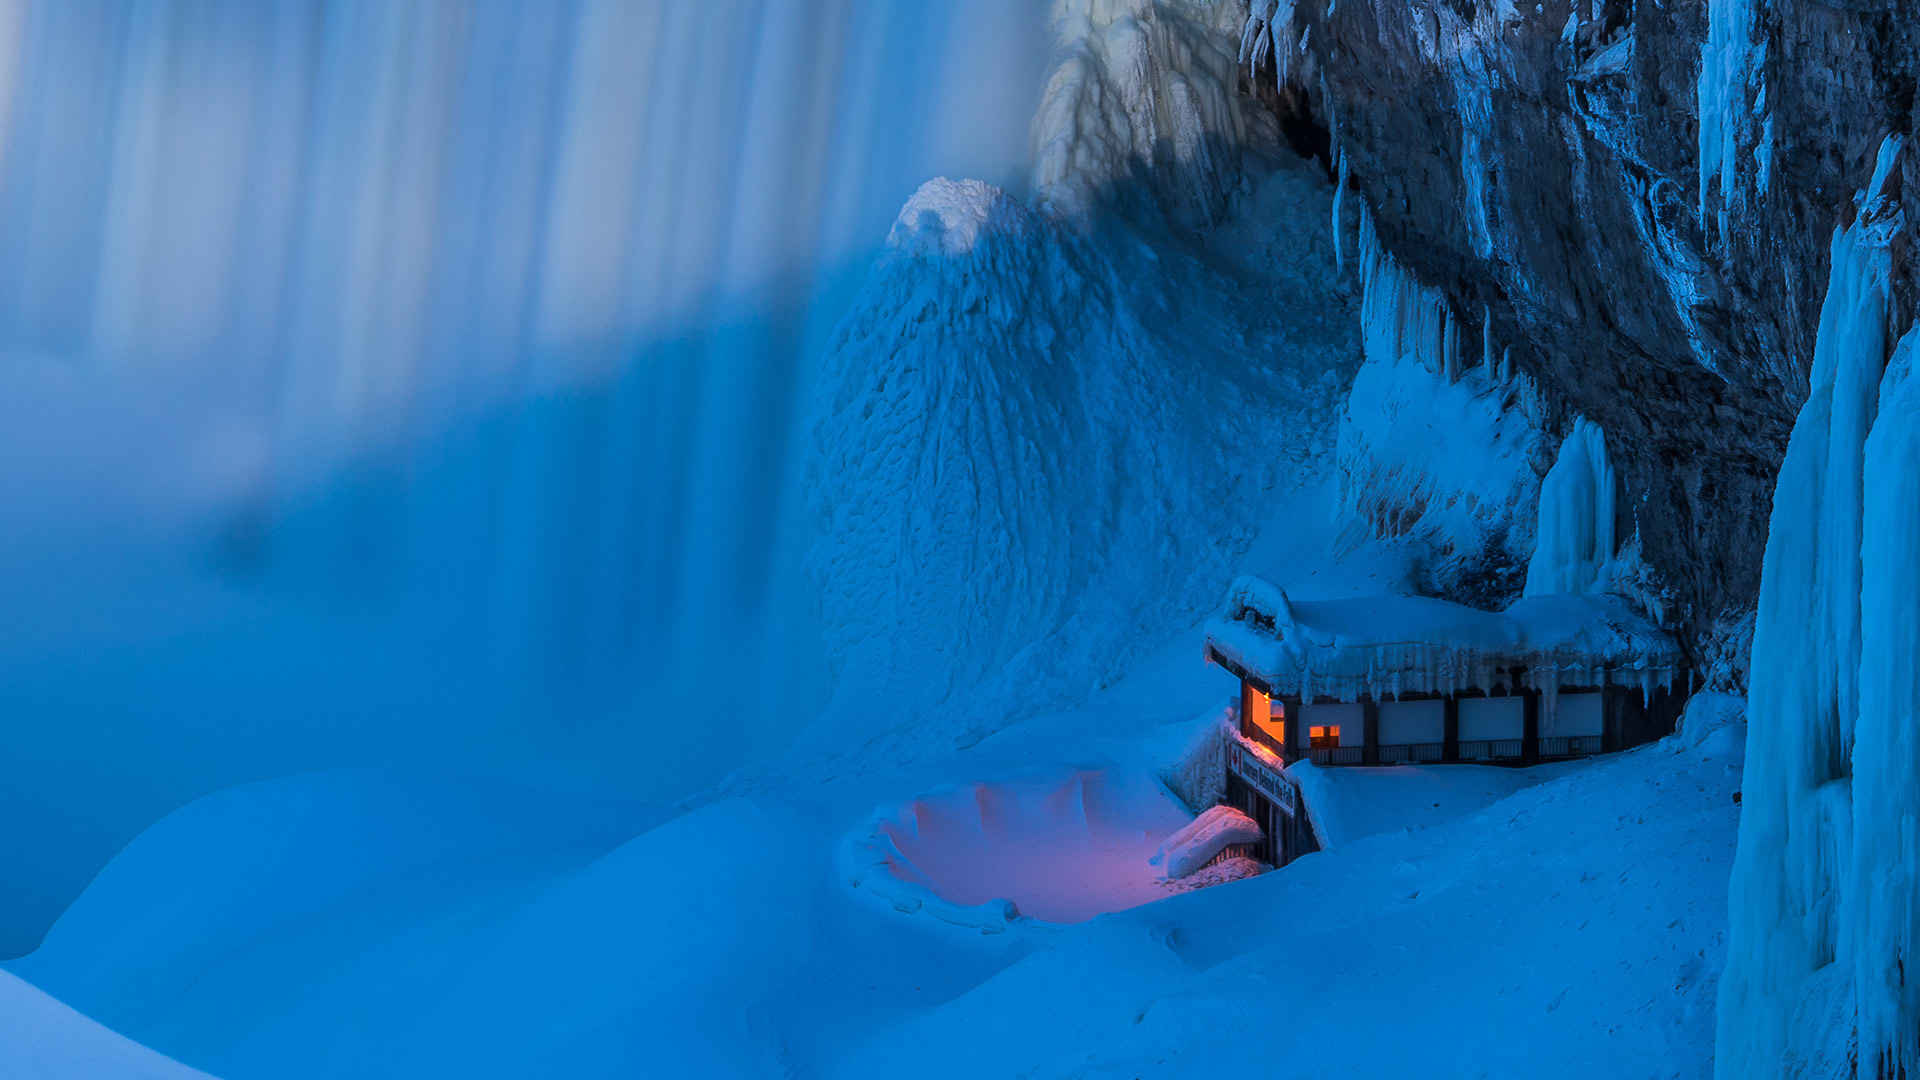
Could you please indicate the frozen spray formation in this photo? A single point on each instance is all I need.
(1822, 915)
(1575, 537)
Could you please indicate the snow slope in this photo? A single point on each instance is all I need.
(1395, 955)
(41, 1039)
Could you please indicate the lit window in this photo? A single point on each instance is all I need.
(1324, 735)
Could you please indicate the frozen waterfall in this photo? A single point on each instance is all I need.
(383, 379)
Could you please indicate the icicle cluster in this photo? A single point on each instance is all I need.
(1268, 34)
(1825, 871)
(1385, 646)
(1402, 320)
(1576, 535)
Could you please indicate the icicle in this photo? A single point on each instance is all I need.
(1339, 193)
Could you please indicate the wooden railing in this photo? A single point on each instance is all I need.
(1562, 746)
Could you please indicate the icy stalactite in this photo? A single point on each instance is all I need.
(1575, 535)
(1792, 874)
(1339, 196)
(1140, 90)
(1731, 92)
(1268, 34)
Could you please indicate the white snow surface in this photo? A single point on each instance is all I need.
(1350, 803)
(42, 1039)
(1822, 917)
(1195, 844)
(1404, 942)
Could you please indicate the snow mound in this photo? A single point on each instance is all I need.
(947, 217)
(1024, 462)
(1348, 804)
(1197, 842)
(1052, 848)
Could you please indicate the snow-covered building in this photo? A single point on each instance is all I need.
(1386, 679)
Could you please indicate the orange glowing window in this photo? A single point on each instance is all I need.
(1266, 714)
(1324, 735)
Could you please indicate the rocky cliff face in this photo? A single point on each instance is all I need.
(1542, 166)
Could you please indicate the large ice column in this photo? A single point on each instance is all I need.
(1576, 536)
(1799, 811)
(1880, 920)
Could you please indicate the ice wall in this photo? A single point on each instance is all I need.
(1575, 535)
(1819, 924)
(414, 380)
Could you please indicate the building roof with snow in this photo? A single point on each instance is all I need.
(1393, 645)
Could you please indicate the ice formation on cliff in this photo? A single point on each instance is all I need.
(1732, 92)
(1431, 450)
(1819, 926)
(1142, 91)
(1576, 534)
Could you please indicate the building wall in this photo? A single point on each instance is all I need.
(1348, 716)
(1492, 718)
(1409, 722)
(1573, 714)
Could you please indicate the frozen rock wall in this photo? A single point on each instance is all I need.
(1545, 164)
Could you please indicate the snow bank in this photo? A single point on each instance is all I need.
(1350, 803)
(1198, 841)
(1057, 849)
(1821, 893)
(1615, 870)
(42, 1039)
(1575, 536)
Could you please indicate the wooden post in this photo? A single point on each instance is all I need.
(1450, 728)
(1530, 719)
(1612, 714)
(1370, 730)
(1296, 729)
